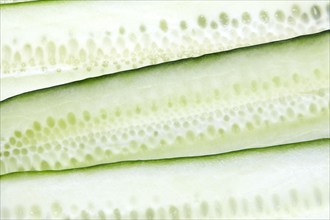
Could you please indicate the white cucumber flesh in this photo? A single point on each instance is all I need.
(252, 97)
(284, 182)
(49, 43)
(14, 1)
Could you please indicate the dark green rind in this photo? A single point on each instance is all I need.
(267, 151)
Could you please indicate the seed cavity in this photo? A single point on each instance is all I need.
(234, 22)
(183, 25)
(62, 124)
(316, 12)
(44, 165)
(101, 215)
(204, 208)
(295, 10)
(142, 28)
(56, 209)
(174, 212)
(235, 128)
(291, 20)
(35, 211)
(29, 133)
(246, 18)
(224, 19)
(122, 30)
(12, 141)
(50, 122)
(187, 211)
(211, 130)
(279, 15)
(163, 25)
(150, 214)
(214, 25)
(232, 205)
(71, 118)
(18, 134)
(117, 214)
(16, 151)
(202, 21)
(84, 215)
(249, 126)
(305, 18)
(259, 203)
(264, 16)
(294, 196)
(86, 116)
(37, 126)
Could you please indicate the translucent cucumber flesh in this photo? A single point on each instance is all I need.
(285, 182)
(104, 37)
(253, 97)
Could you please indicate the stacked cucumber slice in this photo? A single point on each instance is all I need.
(290, 181)
(193, 138)
(48, 43)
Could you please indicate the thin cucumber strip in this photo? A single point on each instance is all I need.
(49, 43)
(252, 97)
(285, 182)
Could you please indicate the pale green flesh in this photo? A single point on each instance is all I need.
(253, 97)
(284, 182)
(15, 1)
(44, 49)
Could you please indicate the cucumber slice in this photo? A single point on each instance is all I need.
(253, 97)
(286, 182)
(55, 42)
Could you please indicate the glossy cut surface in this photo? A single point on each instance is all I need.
(93, 38)
(283, 182)
(252, 97)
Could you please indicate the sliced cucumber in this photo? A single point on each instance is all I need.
(54, 42)
(286, 182)
(253, 97)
